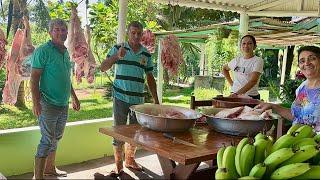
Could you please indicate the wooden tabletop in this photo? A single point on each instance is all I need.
(207, 141)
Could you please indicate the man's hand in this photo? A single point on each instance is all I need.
(75, 104)
(36, 109)
(122, 52)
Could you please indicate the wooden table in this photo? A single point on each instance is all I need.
(188, 158)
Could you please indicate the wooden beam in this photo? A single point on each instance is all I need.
(300, 5)
(284, 13)
(268, 5)
(202, 5)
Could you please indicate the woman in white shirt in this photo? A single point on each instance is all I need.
(246, 68)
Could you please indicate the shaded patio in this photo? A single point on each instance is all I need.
(87, 169)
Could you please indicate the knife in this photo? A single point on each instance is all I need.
(174, 139)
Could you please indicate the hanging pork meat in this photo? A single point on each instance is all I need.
(3, 43)
(90, 63)
(148, 40)
(171, 54)
(17, 66)
(77, 46)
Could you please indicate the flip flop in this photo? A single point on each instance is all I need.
(137, 167)
(113, 173)
(56, 174)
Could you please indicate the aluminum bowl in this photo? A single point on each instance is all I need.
(237, 127)
(151, 116)
(231, 102)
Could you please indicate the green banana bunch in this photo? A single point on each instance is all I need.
(290, 171)
(304, 132)
(241, 144)
(293, 128)
(258, 170)
(219, 156)
(317, 138)
(246, 159)
(302, 154)
(260, 146)
(271, 139)
(304, 142)
(313, 173)
(284, 141)
(278, 157)
(223, 173)
(228, 160)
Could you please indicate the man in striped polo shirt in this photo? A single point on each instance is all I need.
(132, 64)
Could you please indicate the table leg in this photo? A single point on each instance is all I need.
(179, 172)
(166, 166)
(184, 171)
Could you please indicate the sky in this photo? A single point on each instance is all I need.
(82, 10)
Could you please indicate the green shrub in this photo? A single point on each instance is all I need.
(2, 81)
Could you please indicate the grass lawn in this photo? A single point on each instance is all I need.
(95, 105)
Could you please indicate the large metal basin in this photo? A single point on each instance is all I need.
(238, 127)
(231, 102)
(152, 117)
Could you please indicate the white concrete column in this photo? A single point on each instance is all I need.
(160, 74)
(202, 60)
(284, 64)
(244, 24)
(123, 10)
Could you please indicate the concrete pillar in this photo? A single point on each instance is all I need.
(123, 10)
(160, 74)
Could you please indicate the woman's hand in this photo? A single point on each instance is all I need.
(264, 106)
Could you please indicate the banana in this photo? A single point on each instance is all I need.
(271, 139)
(241, 144)
(304, 142)
(284, 141)
(278, 157)
(248, 177)
(304, 132)
(317, 138)
(223, 173)
(301, 155)
(293, 128)
(258, 170)
(259, 136)
(290, 171)
(246, 159)
(268, 147)
(260, 146)
(313, 173)
(228, 159)
(219, 156)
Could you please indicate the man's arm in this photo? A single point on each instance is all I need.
(226, 73)
(253, 81)
(74, 100)
(152, 87)
(35, 91)
(108, 63)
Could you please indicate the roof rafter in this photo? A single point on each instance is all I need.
(284, 13)
(202, 5)
(268, 5)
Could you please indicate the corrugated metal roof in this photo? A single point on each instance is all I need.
(268, 31)
(271, 8)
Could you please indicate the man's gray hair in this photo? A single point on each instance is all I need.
(135, 24)
(57, 22)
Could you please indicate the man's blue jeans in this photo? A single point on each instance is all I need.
(52, 121)
(121, 112)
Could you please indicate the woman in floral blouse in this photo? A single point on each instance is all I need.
(306, 107)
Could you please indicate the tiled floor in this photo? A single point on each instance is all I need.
(86, 170)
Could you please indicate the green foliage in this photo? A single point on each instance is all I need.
(60, 10)
(2, 81)
(220, 51)
(289, 87)
(40, 15)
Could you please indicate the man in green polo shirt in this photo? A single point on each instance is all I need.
(132, 64)
(51, 88)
